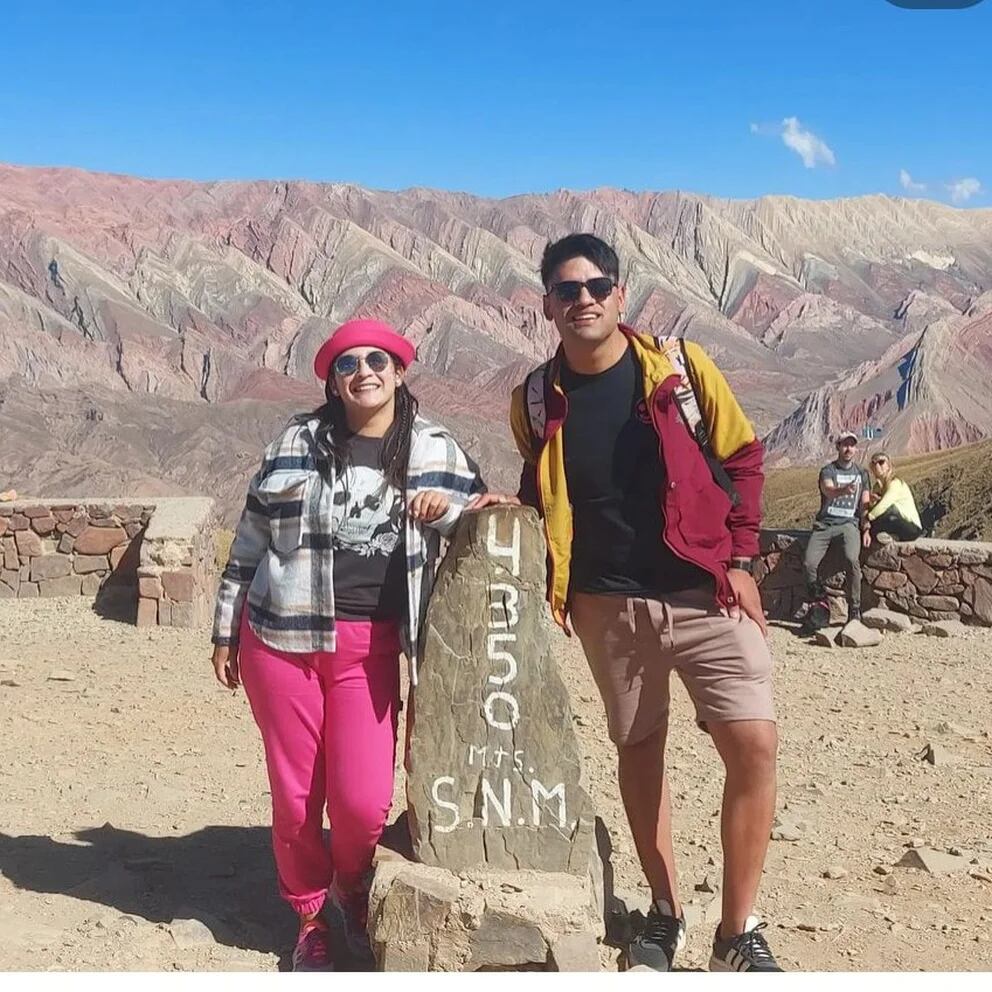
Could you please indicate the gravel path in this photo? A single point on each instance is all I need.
(133, 803)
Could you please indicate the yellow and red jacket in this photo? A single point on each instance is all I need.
(701, 524)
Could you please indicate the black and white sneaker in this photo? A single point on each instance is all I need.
(656, 945)
(747, 951)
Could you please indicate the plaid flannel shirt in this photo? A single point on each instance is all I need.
(282, 563)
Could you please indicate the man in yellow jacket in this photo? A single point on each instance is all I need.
(652, 524)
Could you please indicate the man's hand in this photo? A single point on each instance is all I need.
(866, 539)
(483, 500)
(748, 597)
(429, 505)
(226, 665)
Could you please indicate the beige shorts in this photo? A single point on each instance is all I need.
(633, 645)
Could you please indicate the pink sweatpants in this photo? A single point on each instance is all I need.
(328, 723)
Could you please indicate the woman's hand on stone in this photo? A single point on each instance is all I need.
(226, 665)
(428, 506)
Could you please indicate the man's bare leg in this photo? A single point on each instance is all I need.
(748, 749)
(646, 798)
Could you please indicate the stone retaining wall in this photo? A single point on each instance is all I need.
(930, 579)
(148, 561)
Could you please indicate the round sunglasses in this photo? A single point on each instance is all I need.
(375, 361)
(570, 290)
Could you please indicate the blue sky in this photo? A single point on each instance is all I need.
(815, 98)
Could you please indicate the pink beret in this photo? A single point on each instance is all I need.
(362, 334)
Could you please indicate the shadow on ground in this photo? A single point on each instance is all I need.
(222, 876)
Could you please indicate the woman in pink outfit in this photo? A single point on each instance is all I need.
(328, 579)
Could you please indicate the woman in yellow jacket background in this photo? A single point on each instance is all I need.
(892, 514)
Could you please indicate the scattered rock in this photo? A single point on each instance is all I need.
(936, 754)
(946, 628)
(575, 952)
(880, 619)
(952, 728)
(705, 885)
(190, 933)
(934, 862)
(59, 675)
(826, 637)
(856, 635)
(787, 830)
(699, 913)
(835, 871)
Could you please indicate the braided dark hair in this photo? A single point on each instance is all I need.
(333, 436)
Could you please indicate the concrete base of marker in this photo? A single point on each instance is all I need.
(425, 918)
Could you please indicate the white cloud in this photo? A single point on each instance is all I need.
(962, 190)
(908, 183)
(811, 149)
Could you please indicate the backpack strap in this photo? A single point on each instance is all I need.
(535, 401)
(686, 395)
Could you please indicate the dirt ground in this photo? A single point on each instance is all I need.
(134, 810)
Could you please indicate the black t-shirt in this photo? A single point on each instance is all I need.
(615, 475)
(369, 550)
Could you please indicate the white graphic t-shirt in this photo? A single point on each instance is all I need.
(369, 553)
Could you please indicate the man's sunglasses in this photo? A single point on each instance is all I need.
(376, 361)
(570, 290)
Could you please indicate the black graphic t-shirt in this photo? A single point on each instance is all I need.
(614, 473)
(844, 508)
(369, 551)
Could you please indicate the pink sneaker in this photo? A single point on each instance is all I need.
(313, 948)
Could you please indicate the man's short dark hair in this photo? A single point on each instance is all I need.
(586, 246)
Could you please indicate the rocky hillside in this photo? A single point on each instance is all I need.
(158, 302)
(928, 392)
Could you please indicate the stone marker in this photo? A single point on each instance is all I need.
(856, 635)
(493, 764)
(510, 873)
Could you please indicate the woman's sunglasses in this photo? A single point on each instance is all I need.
(376, 361)
(570, 290)
(880, 461)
